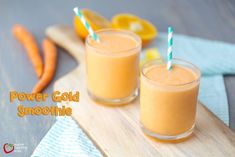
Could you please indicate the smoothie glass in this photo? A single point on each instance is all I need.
(168, 99)
(112, 66)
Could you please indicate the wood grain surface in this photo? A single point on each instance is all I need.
(116, 130)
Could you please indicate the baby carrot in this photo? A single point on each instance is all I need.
(50, 59)
(29, 43)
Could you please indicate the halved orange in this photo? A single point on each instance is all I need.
(95, 20)
(146, 30)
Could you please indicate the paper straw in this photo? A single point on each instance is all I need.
(169, 50)
(85, 23)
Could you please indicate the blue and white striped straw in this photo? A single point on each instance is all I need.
(85, 23)
(169, 50)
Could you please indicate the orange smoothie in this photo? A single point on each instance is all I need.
(168, 100)
(112, 66)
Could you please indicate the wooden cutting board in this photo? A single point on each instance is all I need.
(115, 130)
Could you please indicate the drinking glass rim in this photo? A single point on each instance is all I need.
(171, 85)
(115, 30)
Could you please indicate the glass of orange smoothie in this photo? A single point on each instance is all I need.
(112, 66)
(168, 99)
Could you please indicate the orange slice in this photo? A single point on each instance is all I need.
(146, 30)
(95, 20)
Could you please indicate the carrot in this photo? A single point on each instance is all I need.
(50, 59)
(29, 43)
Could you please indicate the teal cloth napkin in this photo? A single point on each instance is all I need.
(214, 58)
(213, 95)
(66, 139)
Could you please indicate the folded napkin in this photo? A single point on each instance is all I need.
(213, 95)
(212, 57)
(66, 139)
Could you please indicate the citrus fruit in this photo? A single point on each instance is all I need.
(152, 53)
(146, 30)
(149, 54)
(95, 20)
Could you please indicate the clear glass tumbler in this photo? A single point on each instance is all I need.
(112, 66)
(168, 99)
